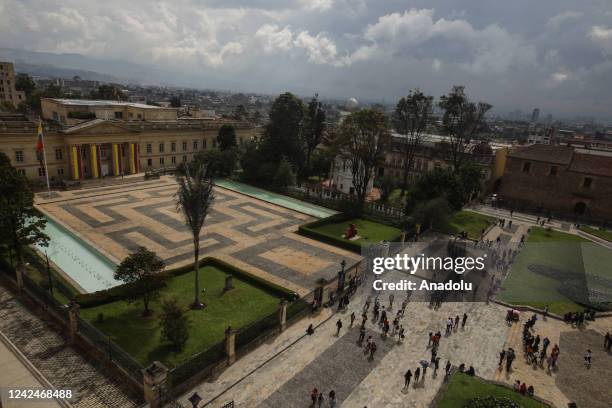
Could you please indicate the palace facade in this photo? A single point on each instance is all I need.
(108, 147)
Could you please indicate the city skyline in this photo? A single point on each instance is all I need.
(558, 57)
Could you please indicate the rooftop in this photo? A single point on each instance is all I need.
(544, 153)
(102, 103)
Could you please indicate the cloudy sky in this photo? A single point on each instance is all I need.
(519, 54)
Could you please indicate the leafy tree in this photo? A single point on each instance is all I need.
(256, 118)
(362, 140)
(194, 197)
(174, 324)
(410, 120)
(283, 134)
(320, 163)
(226, 138)
(457, 185)
(386, 187)
(220, 163)
(314, 127)
(21, 224)
(434, 213)
(175, 102)
(25, 83)
(140, 269)
(108, 92)
(284, 177)
(250, 161)
(462, 119)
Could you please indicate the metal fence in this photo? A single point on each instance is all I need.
(45, 298)
(201, 364)
(114, 352)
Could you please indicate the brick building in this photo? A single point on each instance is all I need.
(564, 180)
(8, 93)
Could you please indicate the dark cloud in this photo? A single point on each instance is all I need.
(555, 54)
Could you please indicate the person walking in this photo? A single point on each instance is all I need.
(352, 318)
(314, 395)
(339, 326)
(332, 399)
(502, 356)
(320, 400)
(362, 332)
(417, 374)
(436, 364)
(456, 322)
(407, 378)
(372, 350)
(588, 355)
(447, 368)
(465, 316)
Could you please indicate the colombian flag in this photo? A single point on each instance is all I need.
(40, 144)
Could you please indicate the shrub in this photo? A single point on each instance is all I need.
(174, 324)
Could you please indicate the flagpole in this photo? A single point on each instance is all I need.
(45, 158)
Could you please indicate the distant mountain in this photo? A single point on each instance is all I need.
(68, 65)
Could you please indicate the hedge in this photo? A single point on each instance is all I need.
(308, 230)
(123, 292)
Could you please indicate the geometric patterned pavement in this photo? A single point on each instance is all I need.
(254, 235)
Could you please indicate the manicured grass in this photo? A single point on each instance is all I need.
(601, 233)
(462, 388)
(140, 336)
(571, 254)
(368, 231)
(395, 198)
(471, 222)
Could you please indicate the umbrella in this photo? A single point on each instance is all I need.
(424, 363)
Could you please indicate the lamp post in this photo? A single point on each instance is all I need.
(341, 276)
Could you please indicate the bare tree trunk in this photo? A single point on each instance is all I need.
(196, 253)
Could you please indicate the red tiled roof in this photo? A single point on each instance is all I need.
(598, 165)
(545, 153)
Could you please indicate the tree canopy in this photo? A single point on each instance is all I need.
(226, 138)
(21, 224)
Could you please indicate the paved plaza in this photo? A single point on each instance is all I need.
(251, 234)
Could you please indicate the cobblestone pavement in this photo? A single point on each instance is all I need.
(287, 377)
(62, 365)
(251, 234)
(570, 381)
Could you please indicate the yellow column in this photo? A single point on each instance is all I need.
(115, 159)
(94, 160)
(75, 162)
(132, 159)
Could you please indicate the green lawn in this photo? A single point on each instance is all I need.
(571, 254)
(462, 388)
(140, 336)
(471, 222)
(368, 231)
(601, 233)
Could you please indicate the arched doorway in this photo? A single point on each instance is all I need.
(580, 208)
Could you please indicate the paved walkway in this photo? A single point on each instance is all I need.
(15, 374)
(62, 365)
(329, 362)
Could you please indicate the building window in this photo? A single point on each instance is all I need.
(103, 152)
(60, 171)
(56, 116)
(21, 171)
(184, 159)
(59, 154)
(19, 156)
(587, 182)
(526, 167)
(161, 147)
(149, 148)
(161, 160)
(118, 115)
(214, 143)
(139, 115)
(203, 143)
(173, 147)
(41, 171)
(173, 159)
(184, 146)
(195, 145)
(149, 162)
(553, 171)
